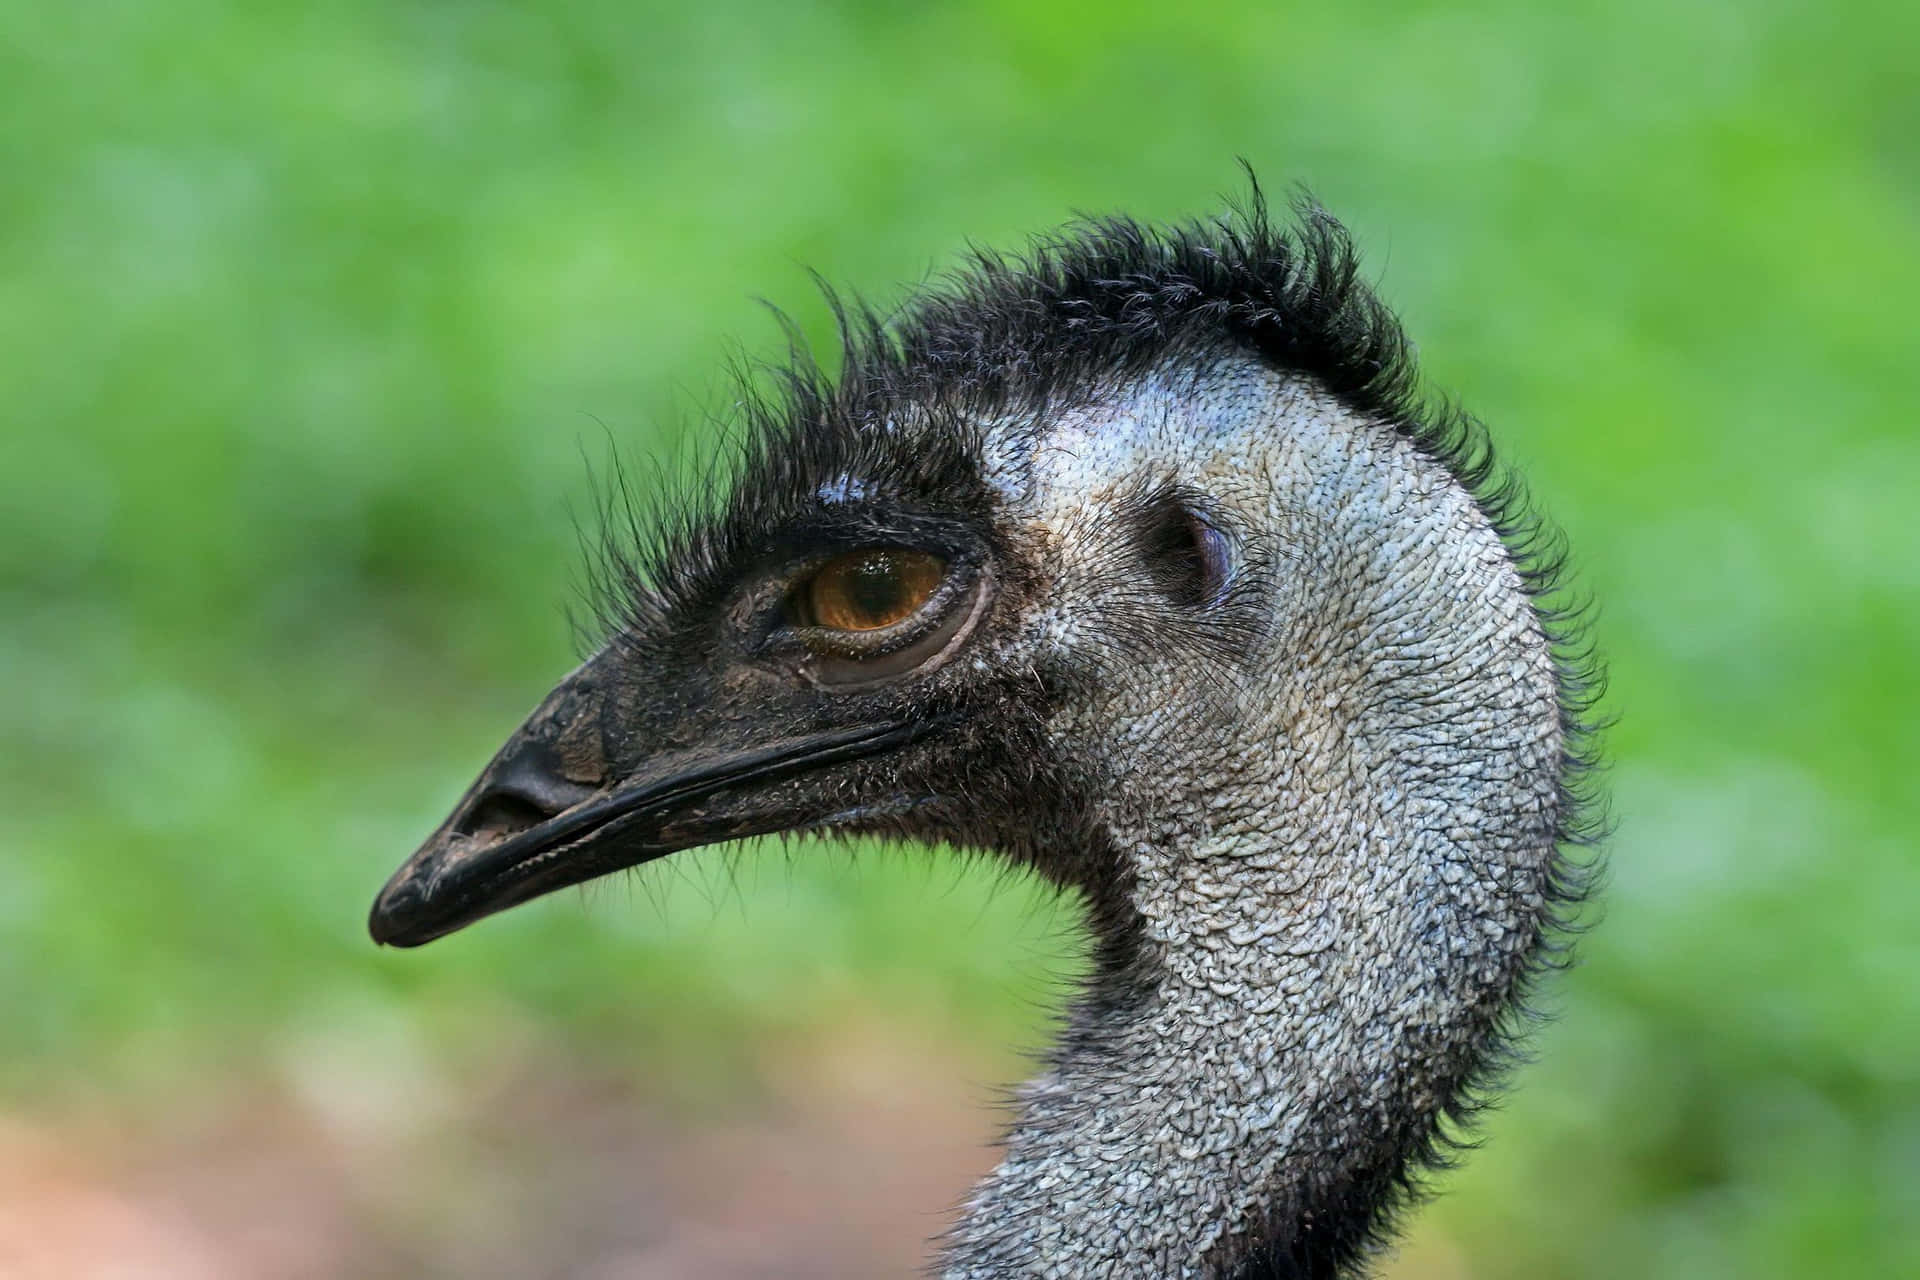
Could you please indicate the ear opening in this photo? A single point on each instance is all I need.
(1187, 557)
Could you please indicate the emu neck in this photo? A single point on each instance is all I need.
(1231, 1091)
(1334, 850)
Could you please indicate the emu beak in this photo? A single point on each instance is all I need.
(549, 810)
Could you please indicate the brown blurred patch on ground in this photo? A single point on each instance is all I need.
(844, 1165)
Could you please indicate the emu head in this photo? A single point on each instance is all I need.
(1137, 562)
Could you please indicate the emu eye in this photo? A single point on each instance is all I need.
(868, 590)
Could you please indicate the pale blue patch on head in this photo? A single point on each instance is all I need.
(842, 488)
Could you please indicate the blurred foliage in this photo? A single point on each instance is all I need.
(317, 317)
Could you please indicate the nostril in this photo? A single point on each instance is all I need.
(500, 813)
(524, 787)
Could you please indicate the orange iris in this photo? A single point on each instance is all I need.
(871, 589)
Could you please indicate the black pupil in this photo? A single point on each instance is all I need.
(874, 586)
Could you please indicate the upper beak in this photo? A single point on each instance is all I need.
(548, 812)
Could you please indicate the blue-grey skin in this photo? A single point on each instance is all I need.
(1341, 835)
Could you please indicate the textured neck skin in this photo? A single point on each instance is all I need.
(1335, 820)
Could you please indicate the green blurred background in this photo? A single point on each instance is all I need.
(315, 319)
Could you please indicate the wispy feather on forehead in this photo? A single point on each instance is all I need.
(1017, 334)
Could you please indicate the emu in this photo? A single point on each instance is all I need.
(1140, 560)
